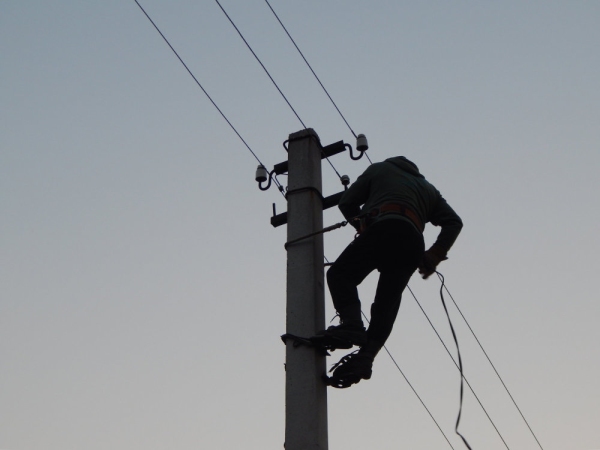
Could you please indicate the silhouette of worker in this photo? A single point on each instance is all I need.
(389, 205)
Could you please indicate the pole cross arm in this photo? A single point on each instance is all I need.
(328, 202)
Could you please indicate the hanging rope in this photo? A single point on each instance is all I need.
(491, 363)
(457, 366)
(413, 389)
(460, 366)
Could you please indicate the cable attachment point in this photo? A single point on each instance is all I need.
(263, 175)
(345, 179)
(361, 145)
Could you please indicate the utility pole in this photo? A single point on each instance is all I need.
(305, 389)
(306, 393)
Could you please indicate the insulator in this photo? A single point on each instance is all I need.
(261, 174)
(361, 143)
(345, 180)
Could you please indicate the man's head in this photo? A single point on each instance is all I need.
(409, 162)
(405, 164)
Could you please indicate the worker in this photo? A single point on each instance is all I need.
(397, 201)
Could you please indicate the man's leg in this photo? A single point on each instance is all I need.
(398, 256)
(347, 272)
(384, 309)
(396, 248)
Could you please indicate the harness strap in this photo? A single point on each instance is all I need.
(324, 230)
(395, 208)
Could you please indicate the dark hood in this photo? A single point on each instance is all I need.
(406, 165)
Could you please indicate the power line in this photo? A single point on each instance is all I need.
(260, 62)
(406, 379)
(314, 73)
(493, 367)
(408, 382)
(205, 92)
(272, 80)
(456, 364)
(309, 66)
(412, 387)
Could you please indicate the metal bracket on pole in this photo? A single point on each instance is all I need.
(328, 202)
(282, 168)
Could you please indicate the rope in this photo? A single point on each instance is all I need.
(455, 363)
(460, 365)
(413, 389)
(492, 364)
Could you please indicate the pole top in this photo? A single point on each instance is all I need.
(302, 134)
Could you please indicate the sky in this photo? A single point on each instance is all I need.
(143, 287)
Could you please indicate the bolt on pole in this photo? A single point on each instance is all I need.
(306, 393)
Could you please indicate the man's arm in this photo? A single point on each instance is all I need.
(356, 195)
(451, 224)
(444, 216)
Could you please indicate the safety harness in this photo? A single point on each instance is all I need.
(368, 218)
(364, 220)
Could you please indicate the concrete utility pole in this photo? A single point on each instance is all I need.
(306, 393)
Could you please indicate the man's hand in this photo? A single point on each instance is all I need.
(431, 259)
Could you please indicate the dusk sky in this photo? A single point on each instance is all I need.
(143, 287)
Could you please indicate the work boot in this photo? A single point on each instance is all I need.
(344, 335)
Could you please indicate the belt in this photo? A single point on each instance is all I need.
(398, 208)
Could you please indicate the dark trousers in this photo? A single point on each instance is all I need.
(393, 247)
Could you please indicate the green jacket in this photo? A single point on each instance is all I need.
(398, 180)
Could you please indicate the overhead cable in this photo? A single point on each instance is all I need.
(281, 189)
(406, 379)
(313, 72)
(492, 364)
(412, 387)
(260, 62)
(458, 367)
(272, 80)
(309, 66)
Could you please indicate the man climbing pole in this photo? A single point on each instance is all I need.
(397, 201)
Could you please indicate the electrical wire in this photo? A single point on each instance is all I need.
(281, 189)
(309, 66)
(315, 75)
(458, 367)
(460, 364)
(260, 62)
(492, 364)
(407, 381)
(272, 80)
(412, 387)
